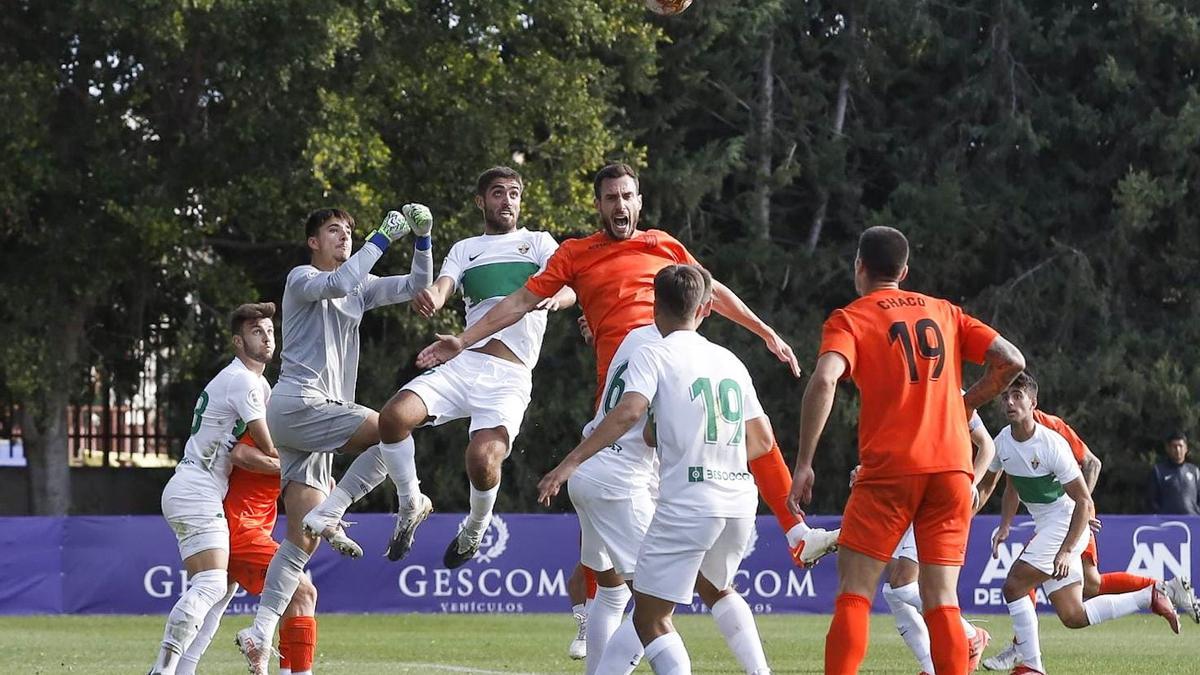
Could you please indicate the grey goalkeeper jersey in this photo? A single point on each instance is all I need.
(321, 313)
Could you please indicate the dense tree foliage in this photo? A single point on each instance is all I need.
(1041, 157)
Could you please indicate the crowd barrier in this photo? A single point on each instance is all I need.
(130, 565)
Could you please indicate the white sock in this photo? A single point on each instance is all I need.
(300, 672)
(668, 656)
(205, 589)
(580, 609)
(1025, 630)
(909, 623)
(482, 502)
(603, 619)
(1106, 607)
(623, 652)
(401, 462)
(283, 577)
(736, 623)
(796, 533)
(191, 657)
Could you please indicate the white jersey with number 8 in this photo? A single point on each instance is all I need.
(701, 397)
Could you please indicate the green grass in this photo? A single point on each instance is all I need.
(536, 643)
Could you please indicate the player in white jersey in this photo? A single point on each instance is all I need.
(901, 590)
(232, 403)
(312, 413)
(709, 424)
(491, 385)
(1039, 464)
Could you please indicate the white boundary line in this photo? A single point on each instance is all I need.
(457, 669)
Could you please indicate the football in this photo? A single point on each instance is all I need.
(667, 7)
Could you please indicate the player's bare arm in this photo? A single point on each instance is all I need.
(760, 438)
(253, 459)
(1091, 469)
(729, 305)
(429, 300)
(986, 486)
(1002, 363)
(1009, 504)
(814, 413)
(563, 299)
(1078, 491)
(620, 419)
(506, 312)
(262, 437)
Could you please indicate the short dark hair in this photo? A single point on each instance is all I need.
(1025, 382)
(680, 289)
(1176, 435)
(318, 218)
(495, 173)
(250, 312)
(615, 170)
(883, 251)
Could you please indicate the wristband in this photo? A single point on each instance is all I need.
(423, 243)
(379, 239)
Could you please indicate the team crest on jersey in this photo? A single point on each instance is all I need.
(1034, 462)
(523, 249)
(494, 541)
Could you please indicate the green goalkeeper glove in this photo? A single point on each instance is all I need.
(420, 218)
(393, 227)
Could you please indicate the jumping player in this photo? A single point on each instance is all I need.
(904, 351)
(233, 402)
(312, 414)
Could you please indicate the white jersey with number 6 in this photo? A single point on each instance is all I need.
(628, 463)
(233, 399)
(701, 397)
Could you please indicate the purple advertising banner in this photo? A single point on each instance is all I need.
(130, 565)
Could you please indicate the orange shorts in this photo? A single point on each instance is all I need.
(1090, 553)
(250, 552)
(938, 505)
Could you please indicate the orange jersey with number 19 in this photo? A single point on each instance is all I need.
(905, 352)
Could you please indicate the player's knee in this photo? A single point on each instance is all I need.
(1013, 590)
(304, 599)
(1074, 617)
(400, 416)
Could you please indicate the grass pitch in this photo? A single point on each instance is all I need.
(536, 643)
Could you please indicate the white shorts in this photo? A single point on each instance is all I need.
(198, 521)
(491, 391)
(612, 524)
(907, 548)
(1042, 548)
(676, 548)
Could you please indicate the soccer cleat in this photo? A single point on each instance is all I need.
(462, 548)
(578, 648)
(1005, 660)
(1179, 592)
(256, 650)
(814, 545)
(976, 646)
(1161, 605)
(333, 530)
(413, 511)
(1023, 669)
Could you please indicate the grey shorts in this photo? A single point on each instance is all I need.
(306, 431)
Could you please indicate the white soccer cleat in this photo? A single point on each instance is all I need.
(333, 530)
(1005, 660)
(1179, 592)
(578, 648)
(412, 512)
(256, 649)
(814, 545)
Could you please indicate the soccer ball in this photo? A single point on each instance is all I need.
(667, 7)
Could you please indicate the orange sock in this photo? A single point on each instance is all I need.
(1033, 596)
(846, 641)
(774, 483)
(285, 652)
(947, 642)
(299, 633)
(1123, 582)
(589, 578)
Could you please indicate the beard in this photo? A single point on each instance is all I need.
(500, 220)
(621, 227)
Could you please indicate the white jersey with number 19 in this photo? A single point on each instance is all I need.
(701, 397)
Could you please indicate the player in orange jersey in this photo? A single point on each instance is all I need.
(251, 510)
(904, 351)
